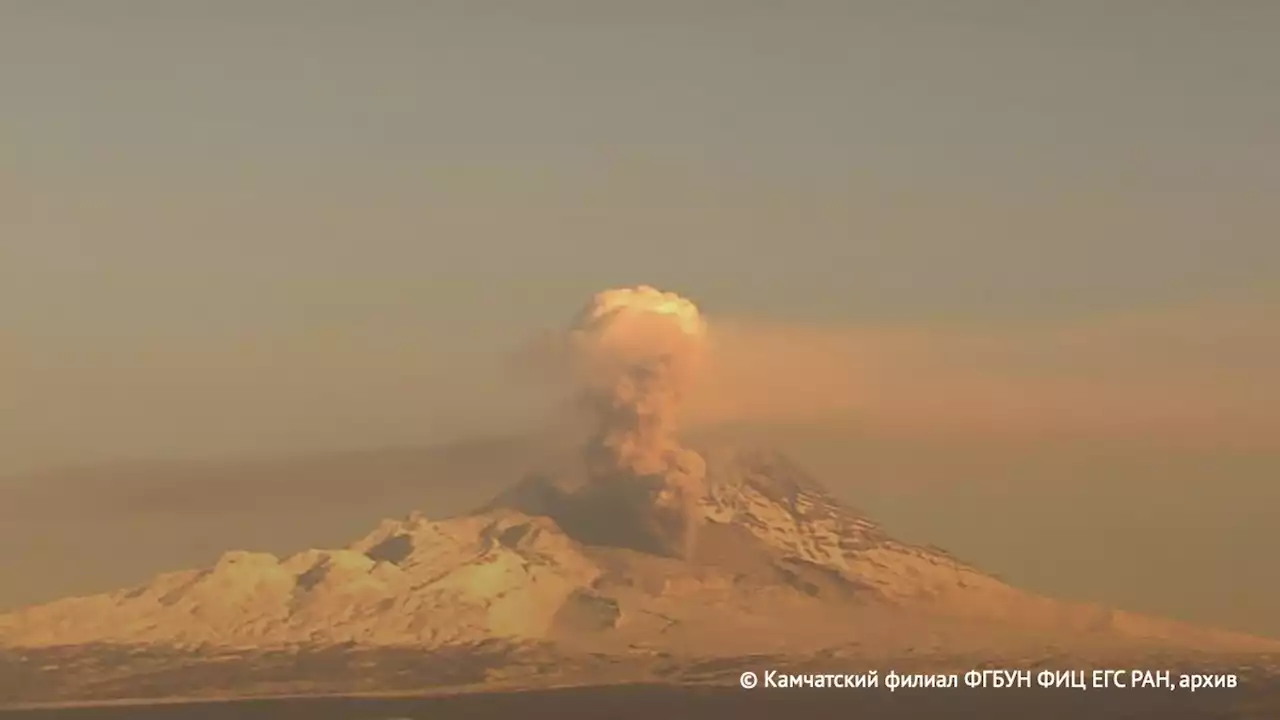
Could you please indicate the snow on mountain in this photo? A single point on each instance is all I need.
(410, 581)
(777, 563)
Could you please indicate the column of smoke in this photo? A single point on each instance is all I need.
(635, 353)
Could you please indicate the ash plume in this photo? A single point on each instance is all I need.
(635, 353)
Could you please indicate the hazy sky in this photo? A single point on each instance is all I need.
(233, 227)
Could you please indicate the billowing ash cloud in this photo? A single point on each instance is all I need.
(635, 354)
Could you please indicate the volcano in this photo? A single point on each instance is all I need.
(776, 567)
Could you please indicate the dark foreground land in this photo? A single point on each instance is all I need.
(1259, 702)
